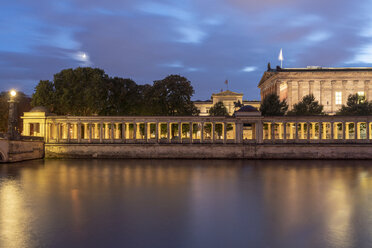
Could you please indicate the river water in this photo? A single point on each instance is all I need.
(186, 203)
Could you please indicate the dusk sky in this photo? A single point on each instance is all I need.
(207, 41)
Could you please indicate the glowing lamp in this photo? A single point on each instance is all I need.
(13, 93)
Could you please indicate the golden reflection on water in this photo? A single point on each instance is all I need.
(281, 200)
(14, 216)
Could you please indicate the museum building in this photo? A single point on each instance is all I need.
(231, 100)
(330, 86)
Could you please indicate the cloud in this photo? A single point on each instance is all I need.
(249, 68)
(206, 41)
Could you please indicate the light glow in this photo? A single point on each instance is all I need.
(13, 93)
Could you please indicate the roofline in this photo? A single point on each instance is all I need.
(322, 69)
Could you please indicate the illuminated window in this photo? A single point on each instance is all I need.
(361, 96)
(338, 97)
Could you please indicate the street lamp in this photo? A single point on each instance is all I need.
(13, 118)
(13, 93)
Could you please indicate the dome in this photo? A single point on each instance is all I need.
(247, 108)
(39, 109)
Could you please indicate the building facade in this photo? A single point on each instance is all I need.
(232, 101)
(330, 86)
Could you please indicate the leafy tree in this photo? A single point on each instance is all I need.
(272, 106)
(44, 95)
(171, 96)
(308, 106)
(81, 91)
(124, 97)
(23, 105)
(356, 105)
(89, 91)
(218, 109)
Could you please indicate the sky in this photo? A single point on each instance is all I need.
(207, 41)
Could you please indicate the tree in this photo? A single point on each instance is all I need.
(307, 106)
(218, 109)
(81, 91)
(272, 106)
(44, 95)
(23, 105)
(171, 96)
(124, 97)
(356, 105)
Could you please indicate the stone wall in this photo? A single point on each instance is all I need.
(20, 150)
(210, 151)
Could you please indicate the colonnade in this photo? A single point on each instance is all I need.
(119, 131)
(247, 129)
(331, 131)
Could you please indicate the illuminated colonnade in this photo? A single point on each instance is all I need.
(196, 129)
(143, 130)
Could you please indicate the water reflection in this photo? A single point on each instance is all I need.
(186, 203)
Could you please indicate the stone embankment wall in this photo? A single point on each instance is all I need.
(211, 151)
(20, 150)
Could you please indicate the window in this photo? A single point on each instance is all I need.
(338, 97)
(361, 96)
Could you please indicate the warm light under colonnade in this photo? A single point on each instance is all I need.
(185, 129)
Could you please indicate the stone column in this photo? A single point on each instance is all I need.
(280, 130)
(272, 124)
(213, 138)
(68, 132)
(296, 131)
(347, 130)
(290, 130)
(239, 136)
(179, 131)
(134, 131)
(58, 132)
(332, 131)
(308, 130)
(78, 132)
(112, 125)
(367, 130)
(146, 127)
(355, 130)
(225, 132)
(302, 125)
(285, 131)
(269, 130)
(358, 130)
(90, 131)
(190, 131)
(100, 132)
(343, 130)
(168, 132)
(320, 130)
(157, 132)
(202, 133)
(259, 137)
(123, 130)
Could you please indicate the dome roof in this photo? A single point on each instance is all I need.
(39, 109)
(248, 108)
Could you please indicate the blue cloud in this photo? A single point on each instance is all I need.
(206, 41)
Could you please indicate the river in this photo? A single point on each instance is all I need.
(186, 203)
